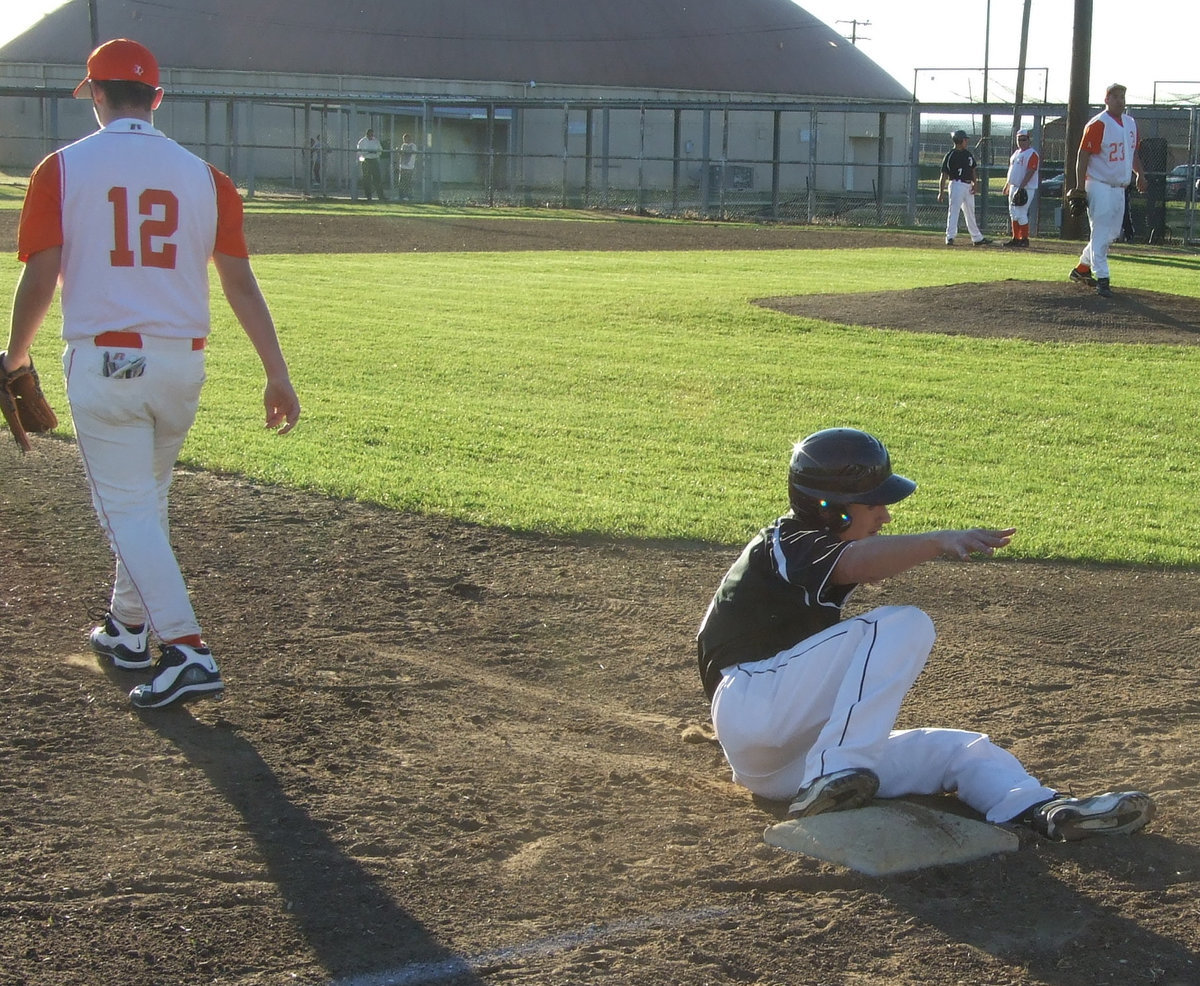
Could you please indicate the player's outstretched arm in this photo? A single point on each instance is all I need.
(884, 555)
(245, 298)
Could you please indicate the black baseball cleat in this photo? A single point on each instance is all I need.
(840, 791)
(949, 243)
(984, 242)
(1102, 287)
(126, 646)
(1071, 819)
(1014, 242)
(1079, 277)
(181, 673)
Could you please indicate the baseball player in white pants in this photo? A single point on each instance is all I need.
(130, 466)
(129, 220)
(805, 703)
(850, 681)
(1022, 174)
(959, 175)
(1108, 160)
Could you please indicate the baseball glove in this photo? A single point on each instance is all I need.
(1020, 197)
(1077, 202)
(23, 404)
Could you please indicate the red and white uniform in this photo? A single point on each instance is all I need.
(1112, 144)
(137, 217)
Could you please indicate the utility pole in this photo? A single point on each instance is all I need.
(1078, 111)
(854, 29)
(1020, 98)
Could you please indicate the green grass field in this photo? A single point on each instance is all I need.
(642, 395)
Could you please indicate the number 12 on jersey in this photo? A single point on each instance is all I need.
(156, 221)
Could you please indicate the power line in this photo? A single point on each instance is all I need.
(853, 29)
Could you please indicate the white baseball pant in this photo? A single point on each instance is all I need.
(1106, 214)
(961, 200)
(830, 703)
(1020, 213)
(130, 431)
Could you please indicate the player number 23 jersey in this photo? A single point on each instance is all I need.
(1111, 144)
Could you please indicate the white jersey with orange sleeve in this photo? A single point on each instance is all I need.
(136, 236)
(1023, 161)
(1111, 144)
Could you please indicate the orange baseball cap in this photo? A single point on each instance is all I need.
(120, 60)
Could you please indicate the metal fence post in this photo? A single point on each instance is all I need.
(913, 184)
(566, 151)
(776, 146)
(605, 138)
(676, 142)
(641, 179)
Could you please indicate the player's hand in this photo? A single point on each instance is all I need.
(10, 363)
(282, 406)
(975, 541)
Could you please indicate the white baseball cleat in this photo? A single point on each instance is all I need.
(181, 673)
(126, 646)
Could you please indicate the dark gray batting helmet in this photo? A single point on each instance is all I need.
(844, 465)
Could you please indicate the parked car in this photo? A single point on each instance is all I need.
(1178, 179)
(1052, 187)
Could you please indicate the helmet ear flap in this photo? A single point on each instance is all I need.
(834, 516)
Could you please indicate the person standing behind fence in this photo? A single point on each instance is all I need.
(408, 165)
(314, 160)
(1022, 175)
(958, 172)
(369, 150)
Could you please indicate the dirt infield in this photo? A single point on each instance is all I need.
(460, 755)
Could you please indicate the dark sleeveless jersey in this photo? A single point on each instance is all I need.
(776, 594)
(959, 165)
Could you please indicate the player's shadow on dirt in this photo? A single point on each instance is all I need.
(1014, 908)
(351, 923)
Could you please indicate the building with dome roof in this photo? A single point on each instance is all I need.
(623, 94)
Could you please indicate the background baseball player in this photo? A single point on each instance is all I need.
(1022, 176)
(958, 172)
(804, 702)
(1108, 158)
(128, 220)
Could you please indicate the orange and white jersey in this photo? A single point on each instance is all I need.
(1023, 160)
(1112, 144)
(137, 217)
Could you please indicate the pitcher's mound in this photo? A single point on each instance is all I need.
(1043, 311)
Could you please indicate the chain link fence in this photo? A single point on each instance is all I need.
(831, 163)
